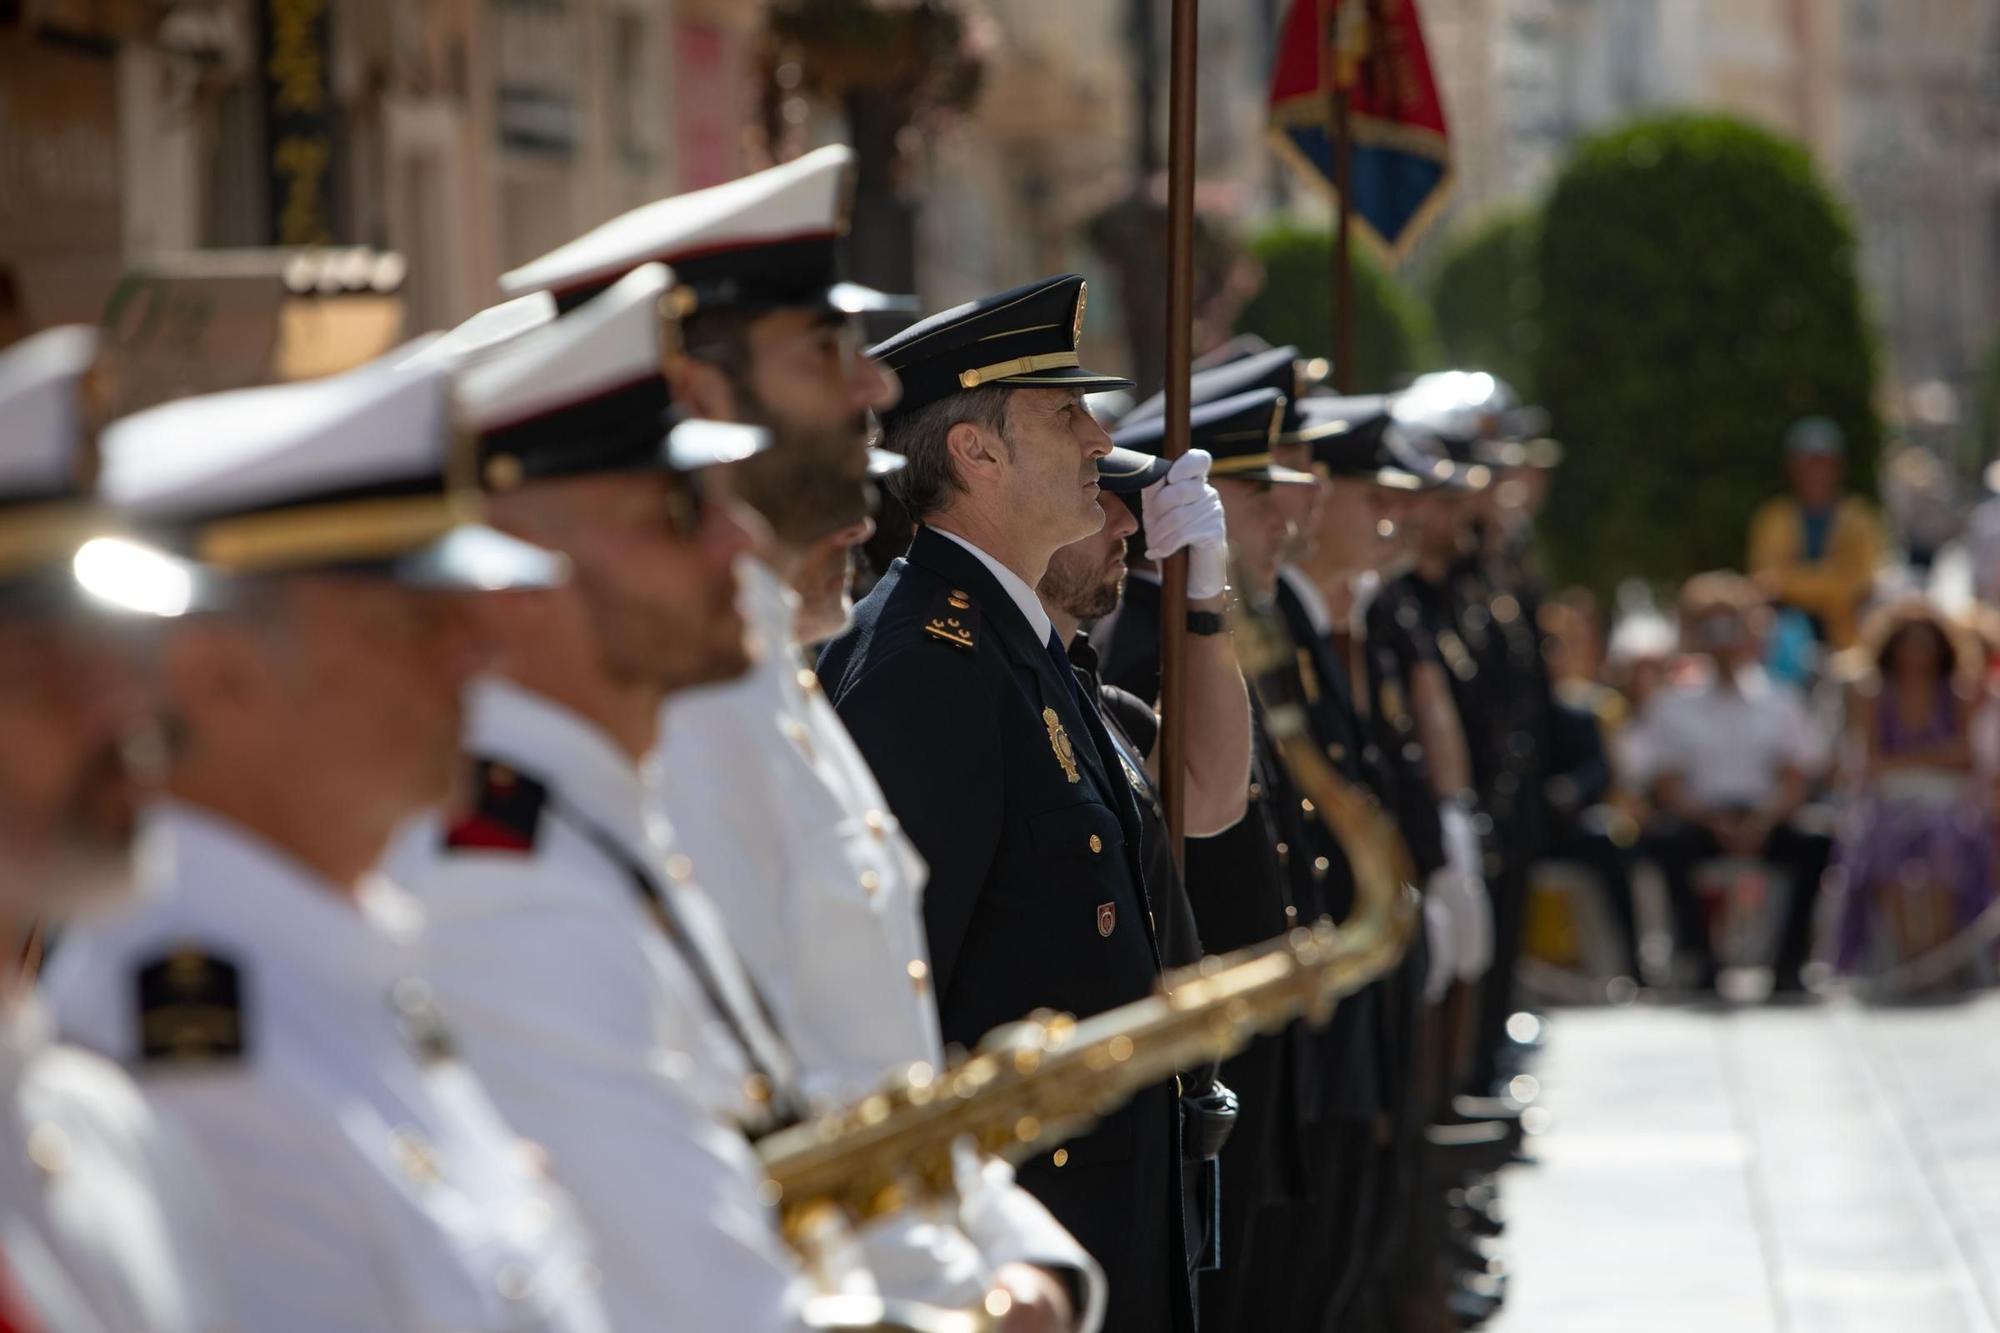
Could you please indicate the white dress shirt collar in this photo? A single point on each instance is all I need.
(561, 749)
(225, 877)
(1318, 614)
(1016, 586)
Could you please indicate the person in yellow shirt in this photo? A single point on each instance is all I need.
(1816, 550)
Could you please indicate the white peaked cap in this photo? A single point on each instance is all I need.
(43, 423)
(771, 238)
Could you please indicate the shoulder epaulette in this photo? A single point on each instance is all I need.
(504, 813)
(190, 1009)
(954, 619)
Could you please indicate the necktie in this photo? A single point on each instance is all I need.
(1068, 674)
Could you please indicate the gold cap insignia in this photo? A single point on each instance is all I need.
(1082, 299)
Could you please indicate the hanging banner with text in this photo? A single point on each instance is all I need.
(299, 121)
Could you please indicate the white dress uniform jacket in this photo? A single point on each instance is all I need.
(823, 893)
(588, 1025)
(105, 1222)
(362, 1176)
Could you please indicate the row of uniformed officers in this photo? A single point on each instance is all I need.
(448, 866)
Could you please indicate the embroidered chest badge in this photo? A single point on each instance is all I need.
(1107, 918)
(1060, 743)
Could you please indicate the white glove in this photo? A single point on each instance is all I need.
(1463, 887)
(1183, 510)
(1440, 962)
(1463, 900)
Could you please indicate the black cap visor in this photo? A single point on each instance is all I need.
(1128, 471)
(1066, 377)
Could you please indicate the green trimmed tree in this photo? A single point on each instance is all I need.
(1699, 295)
(1488, 298)
(1393, 339)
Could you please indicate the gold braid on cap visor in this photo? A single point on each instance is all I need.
(1020, 365)
(348, 530)
(35, 534)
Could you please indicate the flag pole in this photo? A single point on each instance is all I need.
(1180, 353)
(1341, 108)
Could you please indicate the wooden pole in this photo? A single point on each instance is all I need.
(1180, 353)
(1342, 120)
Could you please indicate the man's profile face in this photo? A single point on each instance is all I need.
(1085, 579)
(1049, 476)
(1442, 519)
(808, 381)
(1259, 529)
(1299, 504)
(369, 676)
(652, 562)
(1346, 525)
(69, 710)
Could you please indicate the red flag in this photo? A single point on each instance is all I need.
(1402, 152)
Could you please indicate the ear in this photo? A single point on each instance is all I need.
(700, 388)
(974, 452)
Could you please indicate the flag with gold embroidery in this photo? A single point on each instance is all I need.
(1402, 152)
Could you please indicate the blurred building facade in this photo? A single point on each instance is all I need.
(468, 134)
(473, 134)
(1898, 100)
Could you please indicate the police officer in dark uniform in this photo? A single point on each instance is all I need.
(962, 699)
(1363, 1052)
(1081, 586)
(1303, 1242)
(1366, 470)
(1247, 883)
(1503, 685)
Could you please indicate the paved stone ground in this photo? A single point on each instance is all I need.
(1811, 1169)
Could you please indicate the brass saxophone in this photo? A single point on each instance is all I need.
(1037, 1082)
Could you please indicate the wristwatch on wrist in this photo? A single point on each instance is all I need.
(1204, 622)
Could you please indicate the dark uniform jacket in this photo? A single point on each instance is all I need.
(1351, 1045)
(1244, 887)
(1392, 646)
(1036, 899)
(1207, 1111)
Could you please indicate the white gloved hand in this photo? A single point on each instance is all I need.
(1182, 510)
(1471, 913)
(1461, 840)
(1463, 887)
(1440, 962)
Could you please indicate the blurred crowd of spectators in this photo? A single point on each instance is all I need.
(1804, 754)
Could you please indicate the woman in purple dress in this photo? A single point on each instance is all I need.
(1915, 855)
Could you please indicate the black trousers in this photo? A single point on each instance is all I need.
(1508, 892)
(1679, 848)
(1308, 1254)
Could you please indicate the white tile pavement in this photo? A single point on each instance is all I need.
(1819, 1169)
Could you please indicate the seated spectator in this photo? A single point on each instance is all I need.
(1729, 758)
(1915, 853)
(1815, 551)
